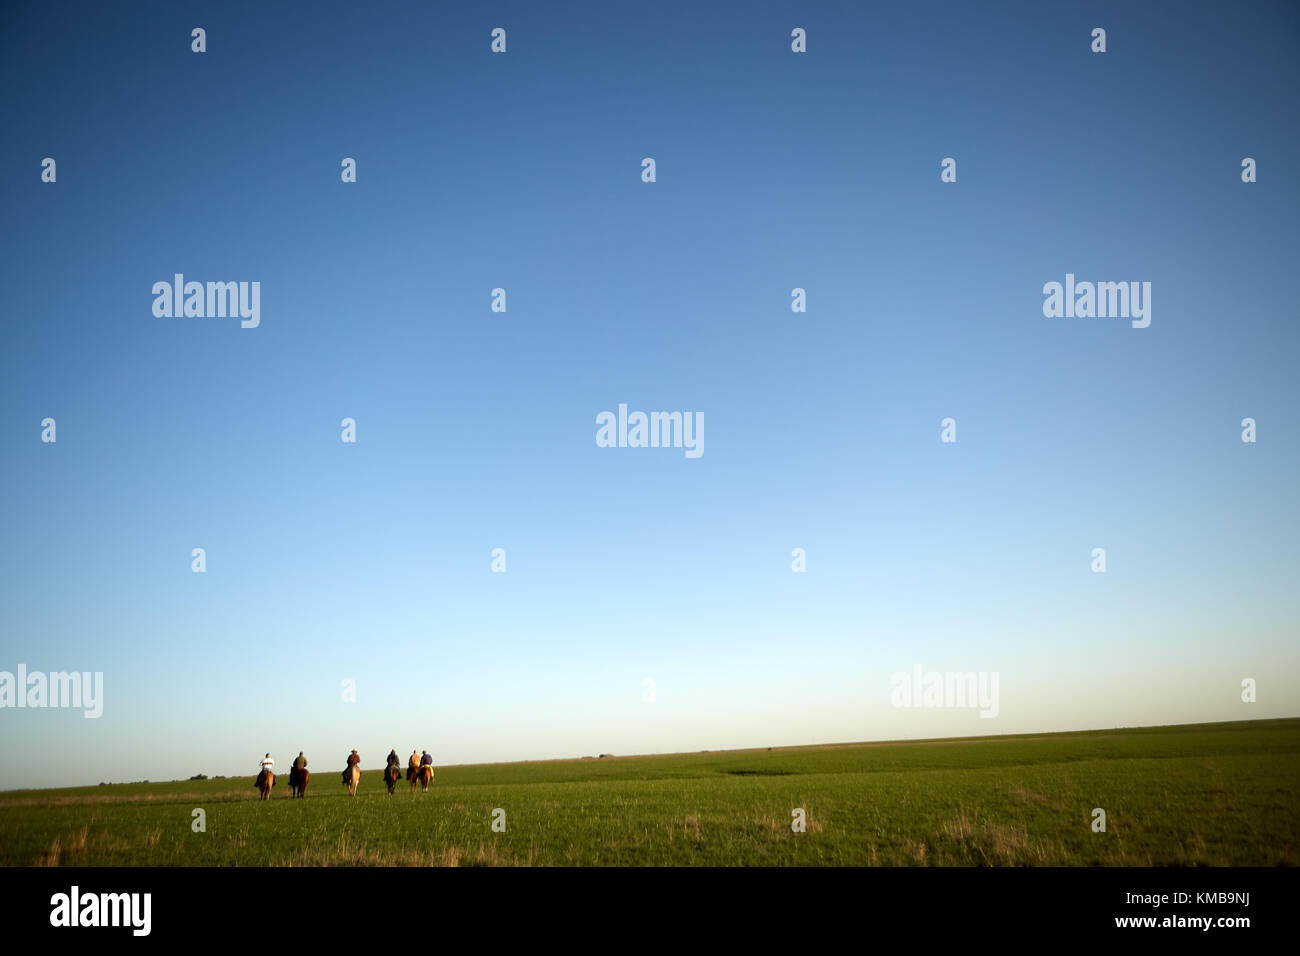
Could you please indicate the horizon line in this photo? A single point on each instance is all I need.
(733, 750)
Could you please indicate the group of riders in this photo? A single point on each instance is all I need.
(298, 773)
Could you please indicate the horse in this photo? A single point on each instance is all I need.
(392, 774)
(265, 781)
(352, 777)
(298, 781)
(425, 776)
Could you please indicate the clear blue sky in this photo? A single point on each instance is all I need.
(476, 430)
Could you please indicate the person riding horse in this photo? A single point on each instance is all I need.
(393, 770)
(412, 765)
(353, 760)
(267, 766)
(295, 771)
(423, 774)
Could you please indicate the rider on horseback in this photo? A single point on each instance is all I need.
(424, 774)
(412, 765)
(295, 772)
(353, 760)
(394, 768)
(268, 766)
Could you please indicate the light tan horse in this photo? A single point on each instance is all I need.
(265, 781)
(351, 778)
(425, 776)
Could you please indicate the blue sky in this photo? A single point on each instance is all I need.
(475, 430)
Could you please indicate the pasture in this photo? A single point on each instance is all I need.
(1209, 794)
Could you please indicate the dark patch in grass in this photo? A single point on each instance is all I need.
(760, 773)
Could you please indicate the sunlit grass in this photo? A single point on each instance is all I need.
(1215, 794)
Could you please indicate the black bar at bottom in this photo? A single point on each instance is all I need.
(243, 905)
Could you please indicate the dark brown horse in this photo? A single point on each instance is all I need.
(298, 781)
(392, 774)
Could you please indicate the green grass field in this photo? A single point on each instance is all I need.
(1209, 794)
